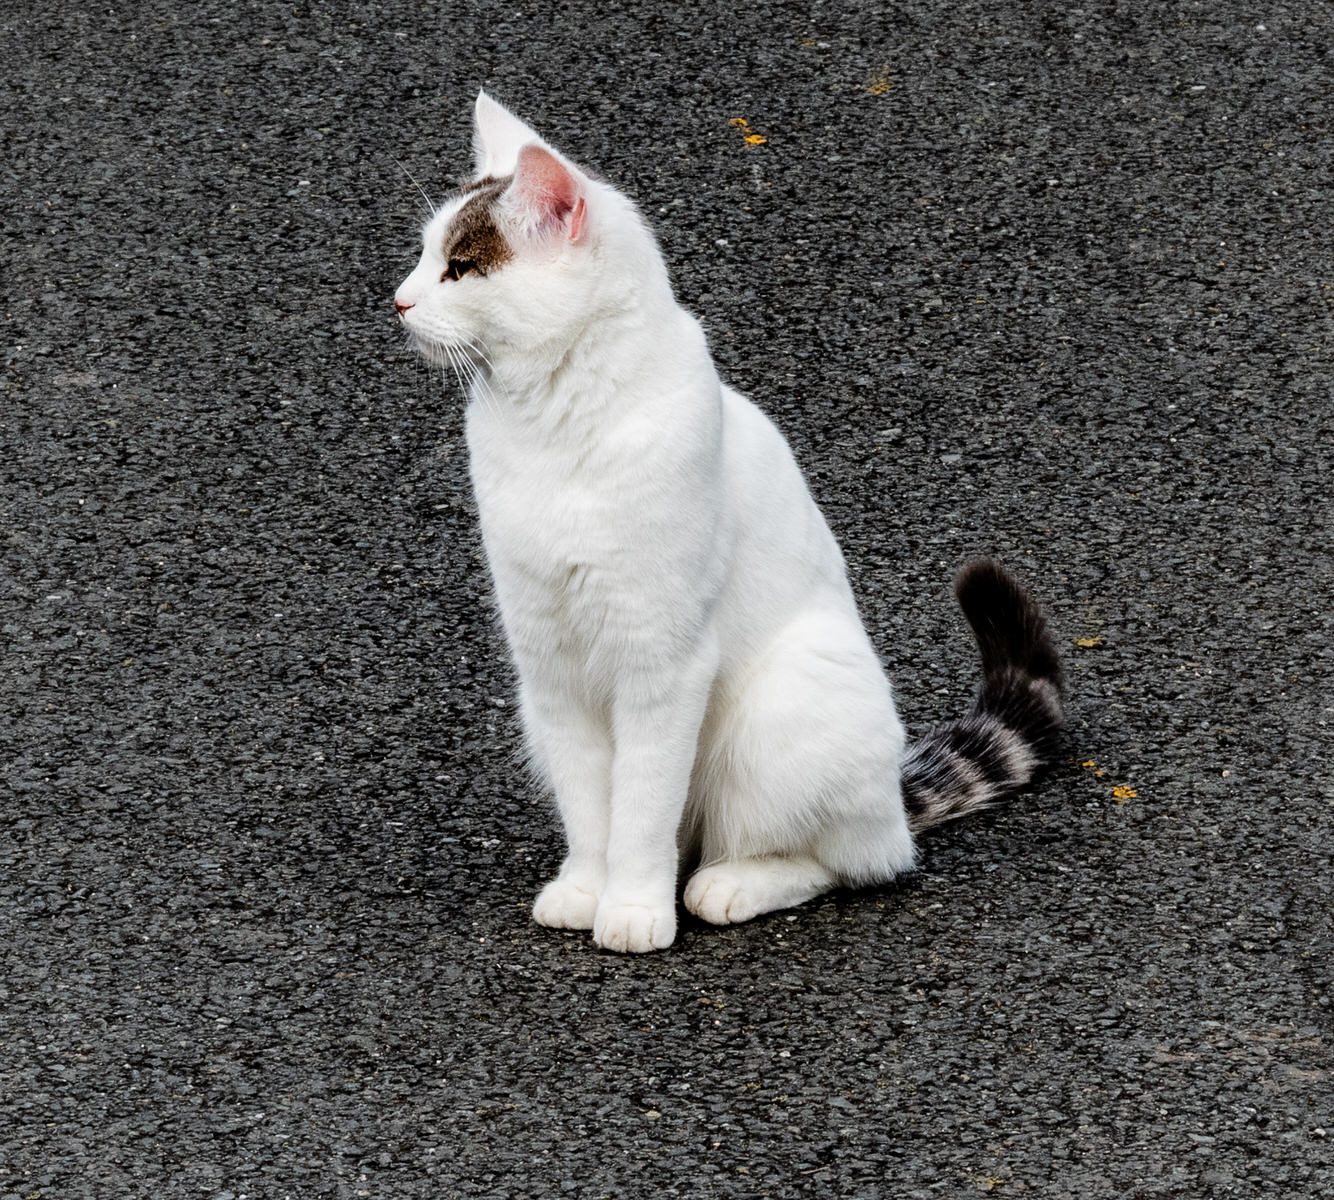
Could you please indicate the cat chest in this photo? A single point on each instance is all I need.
(552, 535)
(568, 588)
(600, 544)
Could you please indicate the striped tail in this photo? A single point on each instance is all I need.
(1009, 732)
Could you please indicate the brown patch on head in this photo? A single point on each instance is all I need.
(473, 235)
(485, 181)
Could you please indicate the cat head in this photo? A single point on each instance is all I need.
(520, 259)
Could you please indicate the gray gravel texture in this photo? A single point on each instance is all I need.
(1050, 283)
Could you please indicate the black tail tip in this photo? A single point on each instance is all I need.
(1009, 626)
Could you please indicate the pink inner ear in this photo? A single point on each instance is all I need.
(548, 187)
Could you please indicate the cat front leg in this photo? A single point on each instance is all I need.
(656, 722)
(572, 747)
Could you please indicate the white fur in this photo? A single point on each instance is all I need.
(694, 676)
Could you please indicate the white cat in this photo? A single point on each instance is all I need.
(695, 682)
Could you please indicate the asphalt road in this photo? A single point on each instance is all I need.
(1050, 283)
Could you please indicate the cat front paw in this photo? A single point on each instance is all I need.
(635, 928)
(563, 904)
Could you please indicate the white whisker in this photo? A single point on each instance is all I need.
(487, 382)
(473, 347)
(456, 366)
(430, 204)
(473, 369)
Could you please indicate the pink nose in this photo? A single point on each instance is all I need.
(400, 307)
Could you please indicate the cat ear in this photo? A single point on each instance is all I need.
(547, 190)
(497, 137)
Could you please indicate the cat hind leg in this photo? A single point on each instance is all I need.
(796, 790)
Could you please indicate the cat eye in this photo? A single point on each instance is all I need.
(457, 269)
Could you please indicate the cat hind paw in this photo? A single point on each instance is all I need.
(729, 892)
(716, 895)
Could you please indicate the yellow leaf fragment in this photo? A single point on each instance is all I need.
(752, 139)
(1089, 643)
(1123, 793)
(881, 80)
